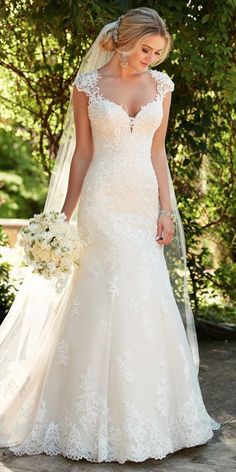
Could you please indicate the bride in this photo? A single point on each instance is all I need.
(106, 368)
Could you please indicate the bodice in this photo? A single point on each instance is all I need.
(114, 132)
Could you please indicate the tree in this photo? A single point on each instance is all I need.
(54, 35)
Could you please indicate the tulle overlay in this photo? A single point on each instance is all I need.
(112, 376)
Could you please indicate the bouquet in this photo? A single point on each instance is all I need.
(51, 244)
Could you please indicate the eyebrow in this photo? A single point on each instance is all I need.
(150, 47)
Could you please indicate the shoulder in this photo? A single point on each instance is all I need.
(164, 82)
(85, 82)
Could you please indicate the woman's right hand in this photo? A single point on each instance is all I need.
(66, 215)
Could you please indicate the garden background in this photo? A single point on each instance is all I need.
(41, 46)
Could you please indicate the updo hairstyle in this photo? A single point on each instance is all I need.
(133, 26)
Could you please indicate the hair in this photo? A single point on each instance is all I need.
(133, 26)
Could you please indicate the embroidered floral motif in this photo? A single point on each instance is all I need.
(164, 83)
(133, 308)
(163, 391)
(75, 309)
(23, 414)
(93, 435)
(90, 406)
(142, 315)
(103, 331)
(116, 259)
(87, 83)
(9, 388)
(124, 365)
(95, 268)
(62, 353)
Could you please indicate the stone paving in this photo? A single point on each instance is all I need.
(218, 383)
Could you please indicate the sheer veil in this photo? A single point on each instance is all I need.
(28, 332)
(93, 59)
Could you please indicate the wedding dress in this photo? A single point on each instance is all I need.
(115, 380)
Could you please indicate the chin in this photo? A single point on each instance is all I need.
(139, 67)
(143, 66)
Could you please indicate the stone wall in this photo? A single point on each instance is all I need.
(11, 227)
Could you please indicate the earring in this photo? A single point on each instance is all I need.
(123, 60)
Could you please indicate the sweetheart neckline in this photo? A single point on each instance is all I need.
(120, 105)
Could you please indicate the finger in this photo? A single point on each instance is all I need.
(165, 240)
(160, 240)
(159, 231)
(168, 240)
(163, 237)
(166, 237)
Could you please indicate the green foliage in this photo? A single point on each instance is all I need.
(36, 82)
(219, 314)
(55, 35)
(22, 181)
(7, 291)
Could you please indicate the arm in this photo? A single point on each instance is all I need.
(165, 225)
(83, 152)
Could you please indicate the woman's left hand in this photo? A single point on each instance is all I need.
(165, 229)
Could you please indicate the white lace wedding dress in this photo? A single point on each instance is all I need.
(118, 382)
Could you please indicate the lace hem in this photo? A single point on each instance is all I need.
(76, 456)
(97, 439)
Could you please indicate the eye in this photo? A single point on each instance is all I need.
(146, 51)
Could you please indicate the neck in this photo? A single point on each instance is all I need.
(117, 70)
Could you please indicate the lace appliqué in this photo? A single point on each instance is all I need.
(163, 390)
(164, 83)
(137, 438)
(124, 366)
(113, 289)
(104, 331)
(144, 316)
(87, 83)
(90, 405)
(62, 356)
(75, 309)
(96, 267)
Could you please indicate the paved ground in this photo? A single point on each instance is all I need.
(218, 382)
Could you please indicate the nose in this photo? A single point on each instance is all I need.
(150, 58)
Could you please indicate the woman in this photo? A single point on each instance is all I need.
(111, 375)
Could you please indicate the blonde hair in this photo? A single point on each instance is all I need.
(134, 25)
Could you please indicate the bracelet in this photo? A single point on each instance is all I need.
(167, 213)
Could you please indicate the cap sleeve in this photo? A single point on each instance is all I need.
(86, 83)
(164, 83)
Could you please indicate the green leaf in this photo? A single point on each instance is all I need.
(205, 18)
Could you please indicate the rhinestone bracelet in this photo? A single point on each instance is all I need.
(167, 213)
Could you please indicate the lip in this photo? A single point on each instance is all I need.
(143, 64)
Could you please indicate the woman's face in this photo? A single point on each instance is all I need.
(147, 52)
